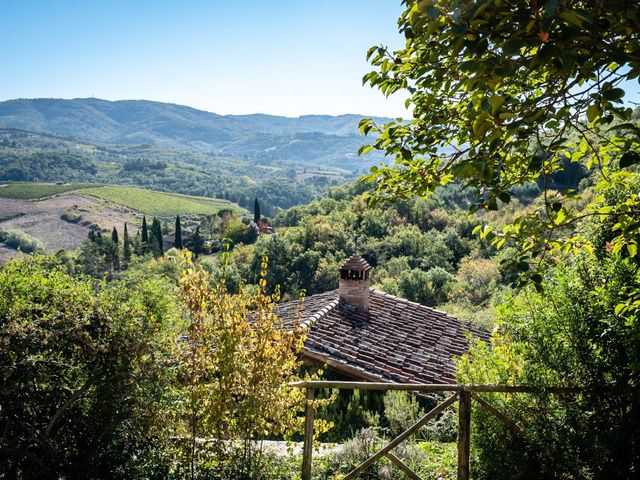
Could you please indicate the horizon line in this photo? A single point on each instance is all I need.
(201, 109)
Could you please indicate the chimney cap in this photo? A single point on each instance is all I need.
(356, 263)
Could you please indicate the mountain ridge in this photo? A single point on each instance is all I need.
(183, 127)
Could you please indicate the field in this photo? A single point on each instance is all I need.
(40, 210)
(42, 219)
(34, 191)
(158, 204)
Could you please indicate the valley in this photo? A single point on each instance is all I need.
(61, 216)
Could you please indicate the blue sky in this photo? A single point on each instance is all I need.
(283, 57)
(227, 56)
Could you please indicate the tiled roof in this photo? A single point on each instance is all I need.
(356, 262)
(397, 340)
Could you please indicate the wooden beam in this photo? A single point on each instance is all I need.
(307, 450)
(513, 426)
(403, 466)
(401, 438)
(464, 435)
(431, 387)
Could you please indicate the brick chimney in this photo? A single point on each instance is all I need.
(354, 282)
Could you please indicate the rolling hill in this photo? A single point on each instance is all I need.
(309, 138)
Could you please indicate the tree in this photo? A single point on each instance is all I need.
(126, 248)
(84, 372)
(145, 234)
(502, 93)
(178, 234)
(196, 243)
(234, 367)
(114, 236)
(156, 238)
(574, 334)
(144, 238)
(256, 211)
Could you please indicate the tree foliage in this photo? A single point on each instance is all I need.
(505, 93)
(234, 365)
(178, 234)
(82, 372)
(571, 335)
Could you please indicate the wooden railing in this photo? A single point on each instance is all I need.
(463, 394)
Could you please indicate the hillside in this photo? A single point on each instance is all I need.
(309, 138)
(60, 216)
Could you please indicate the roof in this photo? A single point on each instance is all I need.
(171, 237)
(396, 341)
(356, 262)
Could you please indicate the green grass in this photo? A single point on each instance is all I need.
(33, 191)
(159, 204)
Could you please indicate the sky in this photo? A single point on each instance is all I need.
(281, 57)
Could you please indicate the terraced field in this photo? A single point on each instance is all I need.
(158, 204)
(34, 191)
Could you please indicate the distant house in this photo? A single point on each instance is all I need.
(264, 227)
(364, 334)
(169, 240)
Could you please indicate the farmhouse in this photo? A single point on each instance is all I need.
(169, 240)
(364, 334)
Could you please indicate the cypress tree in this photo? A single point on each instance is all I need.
(126, 249)
(256, 211)
(156, 237)
(178, 239)
(145, 233)
(114, 236)
(197, 243)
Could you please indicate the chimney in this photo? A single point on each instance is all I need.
(354, 282)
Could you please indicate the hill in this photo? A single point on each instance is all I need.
(60, 216)
(309, 138)
(158, 203)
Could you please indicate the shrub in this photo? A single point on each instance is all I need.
(401, 410)
(21, 241)
(365, 444)
(83, 374)
(71, 215)
(234, 364)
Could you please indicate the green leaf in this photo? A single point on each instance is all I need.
(573, 18)
(632, 248)
(496, 101)
(592, 113)
(363, 150)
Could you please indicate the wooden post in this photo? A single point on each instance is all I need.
(308, 435)
(464, 434)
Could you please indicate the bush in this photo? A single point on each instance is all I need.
(21, 241)
(233, 367)
(401, 410)
(71, 215)
(84, 374)
(575, 333)
(365, 444)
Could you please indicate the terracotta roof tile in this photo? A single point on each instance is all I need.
(356, 262)
(397, 340)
